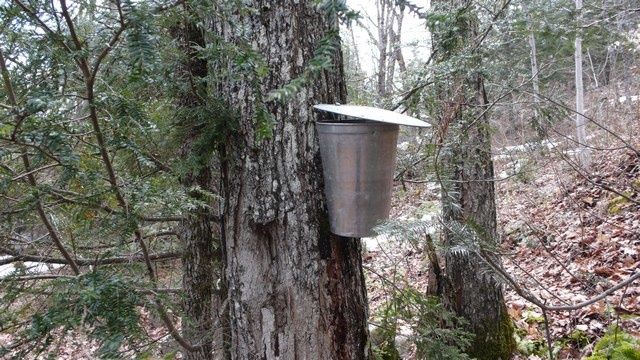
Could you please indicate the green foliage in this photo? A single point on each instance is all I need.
(526, 346)
(337, 10)
(618, 203)
(616, 345)
(436, 332)
(579, 337)
(322, 60)
(140, 39)
(103, 304)
(208, 125)
(451, 28)
(383, 335)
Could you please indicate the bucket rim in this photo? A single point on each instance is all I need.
(356, 123)
(371, 114)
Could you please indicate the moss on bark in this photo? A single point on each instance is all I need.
(500, 346)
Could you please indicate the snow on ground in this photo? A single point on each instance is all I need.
(29, 267)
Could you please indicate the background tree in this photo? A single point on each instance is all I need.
(389, 18)
(197, 118)
(583, 154)
(468, 195)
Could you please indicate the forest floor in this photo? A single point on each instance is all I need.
(565, 237)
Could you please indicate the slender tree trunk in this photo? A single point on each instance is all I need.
(199, 272)
(609, 64)
(395, 47)
(468, 199)
(593, 69)
(391, 61)
(582, 151)
(534, 72)
(402, 66)
(535, 79)
(383, 44)
(356, 52)
(295, 290)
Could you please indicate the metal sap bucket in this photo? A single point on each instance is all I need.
(358, 161)
(358, 150)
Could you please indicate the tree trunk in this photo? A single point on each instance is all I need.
(535, 79)
(582, 151)
(395, 47)
(468, 196)
(295, 290)
(356, 52)
(199, 273)
(383, 20)
(402, 66)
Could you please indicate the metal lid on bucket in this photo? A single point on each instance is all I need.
(372, 114)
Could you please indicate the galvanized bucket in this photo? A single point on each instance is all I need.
(358, 160)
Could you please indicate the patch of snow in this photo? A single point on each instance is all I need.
(375, 243)
(30, 266)
(633, 98)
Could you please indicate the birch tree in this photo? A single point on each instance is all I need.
(582, 151)
(535, 77)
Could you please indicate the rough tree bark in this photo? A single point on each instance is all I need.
(295, 290)
(468, 199)
(199, 256)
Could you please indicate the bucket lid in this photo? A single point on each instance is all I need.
(373, 114)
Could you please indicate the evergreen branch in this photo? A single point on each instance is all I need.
(37, 277)
(478, 43)
(17, 256)
(419, 11)
(61, 195)
(47, 223)
(321, 61)
(31, 178)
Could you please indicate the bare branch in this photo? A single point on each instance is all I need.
(556, 308)
(32, 14)
(114, 39)
(18, 177)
